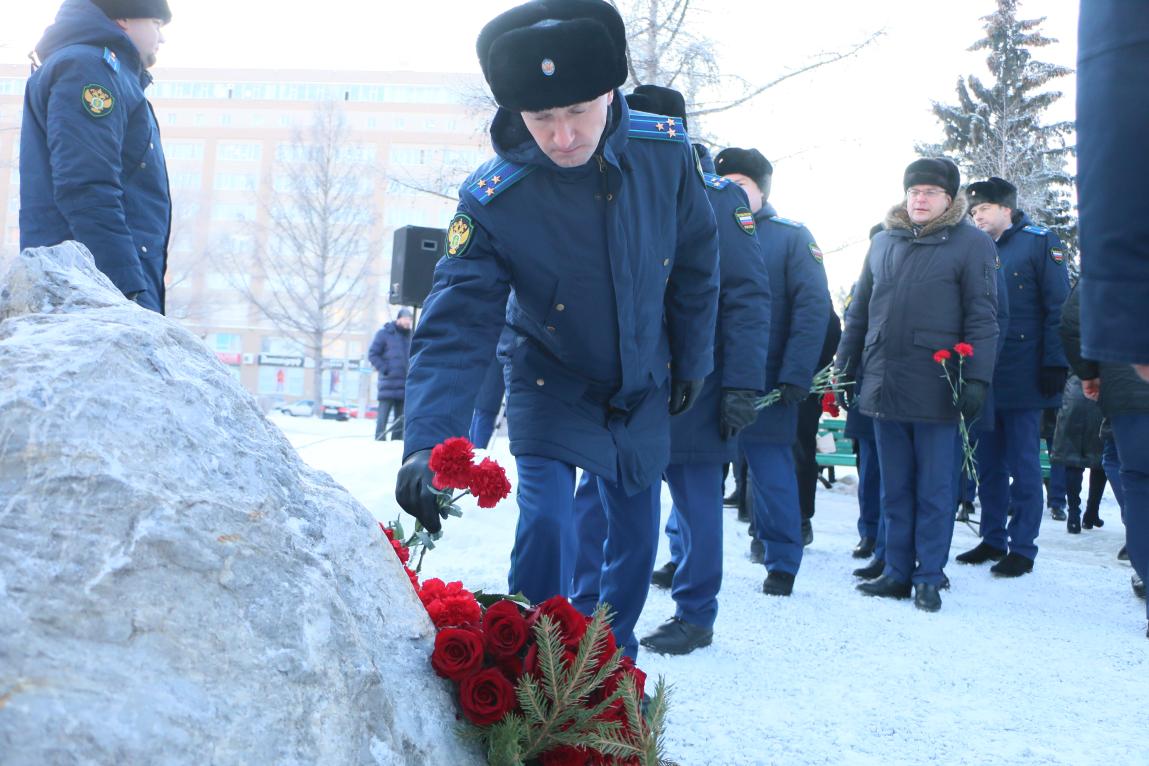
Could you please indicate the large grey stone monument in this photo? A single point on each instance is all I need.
(176, 586)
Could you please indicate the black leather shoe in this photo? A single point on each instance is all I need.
(731, 500)
(965, 510)
(926, 597)
(1057, 514)
(744, 513)
(945, 583)
(886, 587)
(757, 551)
(664, 575)
(979, 555)
(677, 637)
(1073, 523)
(1138, 586)
(864, 549)
(1123, 554)
(807, 532)
(871, 571)
(1013, 565)
(778, 584)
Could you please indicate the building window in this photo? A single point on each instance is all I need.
(246, 151)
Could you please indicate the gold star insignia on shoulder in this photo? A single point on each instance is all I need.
(670, 121)
(482, 183)
(490, 192)
(658, 126)
(496, 179)
(672, 132)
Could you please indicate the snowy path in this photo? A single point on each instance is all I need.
(1052, 668)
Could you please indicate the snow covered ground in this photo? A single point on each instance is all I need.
(1051, 668)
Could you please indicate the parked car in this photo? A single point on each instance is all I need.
(371, 414)
(335, 411)
(300, 409)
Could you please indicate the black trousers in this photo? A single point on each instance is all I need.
(806, 453)
(1074, 478)
(387, 408)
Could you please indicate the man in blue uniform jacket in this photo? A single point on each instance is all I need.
(1029, 377)
(800, 312)
(704, 438)
(1112, 164)
(598, 220)
(91, 165)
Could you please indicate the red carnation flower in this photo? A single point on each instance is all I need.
(461, 609)
(452, 462)
(486, 696)
(504, 629)
(413, 577)
(458, 653)
(401, 551)
(941, 355)
(488, 483)
(963, 349)
(830, 404)
(571, 622)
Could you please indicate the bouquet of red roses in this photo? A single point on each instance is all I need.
(542, 684)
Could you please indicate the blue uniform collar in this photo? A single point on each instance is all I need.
(513, 143)
(79, 22)
(1021, 221)
(766, 211)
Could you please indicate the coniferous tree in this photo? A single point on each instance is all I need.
(997, 128)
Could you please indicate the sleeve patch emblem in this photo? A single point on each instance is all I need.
(745, 220)
(1058, 256)
(459, 235)
(97, 100)
(814, 251)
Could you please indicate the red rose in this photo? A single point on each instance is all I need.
(626, 668)
(571, 622)
(963, 349)
(504, 629)
(458, 653)
(401, 551)
(830, 404)
(413, 577)
(486, 696)
(488, 483)
(564, 755)
(452, 462)
(941, 355)
(512, 667)
(457, 610)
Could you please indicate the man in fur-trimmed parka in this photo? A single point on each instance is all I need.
(928, 284)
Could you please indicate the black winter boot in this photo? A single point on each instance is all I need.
(871, 571)
(778, 584)
(1091, 519)
(980, 554)
(1057, 514)
(1073, 524)
(664, 575)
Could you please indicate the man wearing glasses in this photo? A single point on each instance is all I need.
(928, 283)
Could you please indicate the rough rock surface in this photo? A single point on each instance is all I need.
(176, 586)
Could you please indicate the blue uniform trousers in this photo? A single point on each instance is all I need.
(547, 541)
(869, 488)
(964, 485)
(1011, 451)
(777, 517)
(695, 532)
(1131, 433)
(917, 497)
(1112, 465)
(482, 426)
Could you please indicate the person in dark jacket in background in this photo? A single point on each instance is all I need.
(1076, 446)
(1124, 398)
(91, 165)
(1028, 379)
(800, 310)
(806, 444)
(927, 285)
(389, 354)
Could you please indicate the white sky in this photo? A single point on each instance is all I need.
(839, 137)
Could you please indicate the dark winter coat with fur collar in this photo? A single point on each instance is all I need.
(920, 292)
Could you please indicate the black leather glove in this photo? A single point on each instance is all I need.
(414, 492)
(738, 411)
(1051, 381)
(791, 394)
(848, 396)
(971, 400)
(683, 393)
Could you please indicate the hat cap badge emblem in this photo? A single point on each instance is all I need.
(548, 67)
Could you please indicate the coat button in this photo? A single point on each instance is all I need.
(151, 146)
(609, 197)
(540, 382)
(665, 261)
(561, 307)
(550, 328)
(143, 248)
(143, 164)
(1023, 336)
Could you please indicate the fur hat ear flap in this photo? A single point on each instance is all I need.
(995, 190)
(135, 9)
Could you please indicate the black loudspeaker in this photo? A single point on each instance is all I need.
(413, 257)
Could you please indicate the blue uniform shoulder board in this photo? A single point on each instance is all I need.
(656, 127)
(1040, 231)
(111, 60)
(496, 179)
(786, 222)
(716, 182)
